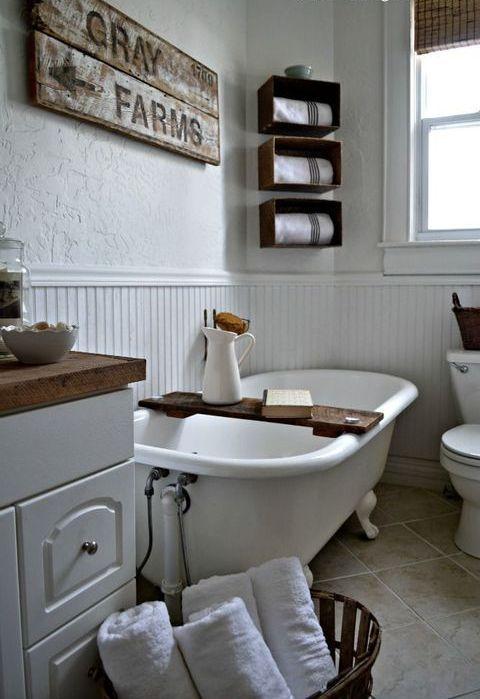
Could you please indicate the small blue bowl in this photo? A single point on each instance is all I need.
(299, 71)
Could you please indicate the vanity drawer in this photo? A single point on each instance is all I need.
(76, 546)
(52, 446)
(58, 666)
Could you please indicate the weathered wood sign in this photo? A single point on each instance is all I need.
(99, 65)
(71, 82)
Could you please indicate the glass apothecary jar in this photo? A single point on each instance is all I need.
(14, 285)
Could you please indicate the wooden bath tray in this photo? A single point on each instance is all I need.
(327, 421)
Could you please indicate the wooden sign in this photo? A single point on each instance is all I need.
(130, 80)
(68, 81)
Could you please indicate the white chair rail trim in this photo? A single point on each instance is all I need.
(49, 275)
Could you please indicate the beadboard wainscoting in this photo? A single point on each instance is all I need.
(369, 322)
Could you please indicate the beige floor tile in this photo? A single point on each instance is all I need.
(438, 531)
(378, 517)
(455, 501)
(388, 609)
(435, 588)
(334, 561)
(414, 663)
(463, 632)
(404, 504)
(395, 545)
(469, 562)
(389, 488)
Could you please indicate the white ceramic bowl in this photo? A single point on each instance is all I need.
(39, 346)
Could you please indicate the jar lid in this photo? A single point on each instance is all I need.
(8, 242)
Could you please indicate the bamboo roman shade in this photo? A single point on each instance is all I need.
(445, 24)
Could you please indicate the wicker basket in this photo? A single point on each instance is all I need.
(468, 320)
(354, 647)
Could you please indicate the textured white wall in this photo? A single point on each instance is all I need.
(358, 66)
(77, 194)
(282, 33)
(80, 195)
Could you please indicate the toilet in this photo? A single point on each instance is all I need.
(460, 449)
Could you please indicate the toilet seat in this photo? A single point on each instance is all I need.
(462, 444)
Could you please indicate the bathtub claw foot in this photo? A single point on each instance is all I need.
(364, 509)
(309, 575)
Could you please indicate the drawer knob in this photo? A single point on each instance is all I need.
(90, 547)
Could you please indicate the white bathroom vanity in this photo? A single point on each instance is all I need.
(67, 524)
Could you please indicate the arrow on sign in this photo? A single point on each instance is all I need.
(66, 75)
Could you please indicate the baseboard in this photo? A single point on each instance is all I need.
(420, 473)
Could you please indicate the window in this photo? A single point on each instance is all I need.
(447, 161)
(431, 173)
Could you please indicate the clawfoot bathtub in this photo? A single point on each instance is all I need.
(266, 490)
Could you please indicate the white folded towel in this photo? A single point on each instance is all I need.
(141, 657)
(295, 170)
(303, 229)
(217, 589)
(302, 112)
(291, 627)
(228, 657)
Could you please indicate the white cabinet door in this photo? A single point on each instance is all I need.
(76, 546)
(12, 684)
(58, 667)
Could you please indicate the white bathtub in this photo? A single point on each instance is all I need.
(266, 490)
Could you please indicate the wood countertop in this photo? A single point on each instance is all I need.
(24, 386)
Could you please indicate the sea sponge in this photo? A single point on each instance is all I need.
(231, 323)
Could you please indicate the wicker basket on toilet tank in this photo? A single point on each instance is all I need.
(468, 319)
(353, 636)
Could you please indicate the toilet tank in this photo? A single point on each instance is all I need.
(465, 375)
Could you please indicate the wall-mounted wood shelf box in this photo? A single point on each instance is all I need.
(298, 147)
(269, 209)
(297, 89)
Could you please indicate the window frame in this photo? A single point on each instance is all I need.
(403, 256)
(420, 176)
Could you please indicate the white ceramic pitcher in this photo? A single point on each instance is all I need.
(221, 382)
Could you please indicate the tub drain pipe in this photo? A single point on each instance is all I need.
(175, 503)
(183, 501)
(172, 583)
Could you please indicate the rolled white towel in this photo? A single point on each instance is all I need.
(218, 589)
(303, 229)
(141, 657)
(228, 657)
(302, 112)
(295, 170)
(290, 626)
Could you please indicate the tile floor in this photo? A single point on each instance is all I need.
(423, 590)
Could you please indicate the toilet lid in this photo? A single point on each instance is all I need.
(463, 440)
